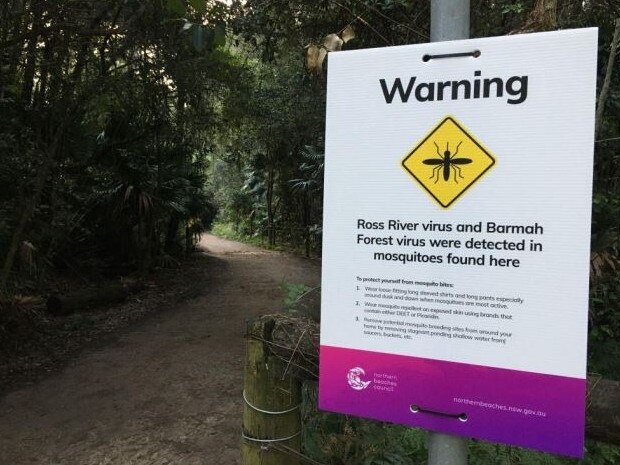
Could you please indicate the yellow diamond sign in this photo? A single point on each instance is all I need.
(448, 161)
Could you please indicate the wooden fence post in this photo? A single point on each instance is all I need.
(272, 403)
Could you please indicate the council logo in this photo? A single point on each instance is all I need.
(447, 162)
(354, 378)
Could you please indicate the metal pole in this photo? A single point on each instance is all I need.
(449, 21)
(446, 449)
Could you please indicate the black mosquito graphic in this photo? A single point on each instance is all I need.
(448, 162)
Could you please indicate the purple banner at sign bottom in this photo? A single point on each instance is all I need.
(533, 410)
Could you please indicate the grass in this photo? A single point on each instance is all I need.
(228, 231)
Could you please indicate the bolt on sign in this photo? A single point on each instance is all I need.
(456, 236)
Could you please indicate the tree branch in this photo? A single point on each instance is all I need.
(602, 96)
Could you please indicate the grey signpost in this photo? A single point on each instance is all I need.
(449, 21)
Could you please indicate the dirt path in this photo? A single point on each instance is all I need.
(167, 391)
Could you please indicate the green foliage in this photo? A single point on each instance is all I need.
(604, 357)
(598, 453)
(294, 293)
(515, 7)
(228, 231)
(263, 167)
(339, 439)
(199, 5)
(207, 38)
(605, 225)
(105, 137)
(176, 6)
(312, 168)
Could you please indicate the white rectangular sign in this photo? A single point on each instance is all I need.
(457, 234)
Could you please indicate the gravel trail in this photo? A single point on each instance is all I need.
(166, 390)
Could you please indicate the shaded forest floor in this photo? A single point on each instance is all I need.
(156, 380)
(42, 344)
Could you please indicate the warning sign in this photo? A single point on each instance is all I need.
(457, 217)
(448, 161)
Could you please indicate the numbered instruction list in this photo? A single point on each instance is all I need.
(406, 309)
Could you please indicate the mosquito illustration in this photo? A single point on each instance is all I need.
(448, 162)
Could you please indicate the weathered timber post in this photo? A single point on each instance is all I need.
(272, 402)
(449, 21)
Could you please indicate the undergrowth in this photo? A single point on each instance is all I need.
(284, 242)
(228, 231)
(336, 439)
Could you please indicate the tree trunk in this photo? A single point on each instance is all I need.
(31, 58)
(171, 234)
(189, 243)
(602, 96)
(11, 55)
(28, 211)
(306, 222)
(271, 233)
(48, 54)
(543, 17)
(56, 72)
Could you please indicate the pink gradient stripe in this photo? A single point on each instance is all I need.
(396, 382)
